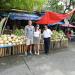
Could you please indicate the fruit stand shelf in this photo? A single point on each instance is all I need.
(5, 46)
(15, 44)
(58, 44)
(12, 50)
(21, 48)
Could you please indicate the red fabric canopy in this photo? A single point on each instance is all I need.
(51, 18)
(68, 25)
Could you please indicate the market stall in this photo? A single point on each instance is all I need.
(14, 43)
(11, 44)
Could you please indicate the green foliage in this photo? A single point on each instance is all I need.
(72, 19)
(52, 5)
(28, 5)
(22, 4)
(5, 4)
(39, 4)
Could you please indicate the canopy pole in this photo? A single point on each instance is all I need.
(5, 24)
(1, 24)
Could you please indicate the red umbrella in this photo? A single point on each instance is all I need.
(51, 18)
(68, 25)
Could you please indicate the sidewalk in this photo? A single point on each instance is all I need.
(58, 62)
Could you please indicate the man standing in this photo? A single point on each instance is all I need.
(47, 34)
(29, 33)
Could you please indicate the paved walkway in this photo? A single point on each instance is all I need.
(58, 62)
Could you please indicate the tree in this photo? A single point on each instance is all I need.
(5, 4)
(28, 5)
(70, 4)
(53, 5)
(39, 4)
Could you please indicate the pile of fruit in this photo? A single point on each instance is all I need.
(58, 35)
(11, 40)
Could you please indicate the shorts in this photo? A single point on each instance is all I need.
(29, 41)
(36, 40)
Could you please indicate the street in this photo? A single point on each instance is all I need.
(57, 62)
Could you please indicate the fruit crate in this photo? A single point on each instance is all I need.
(41, 47)
(64, 43)
(5, 51)
(19, 49)
(55, 44)
(12, 50)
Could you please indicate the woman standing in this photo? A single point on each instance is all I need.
(47, 35)
(37, 36)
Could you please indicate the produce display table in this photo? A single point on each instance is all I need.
(12, 50)
(5, 50)
(41, 47)
(56, 44)
(20, 49)
(12, 44)
(64, 43)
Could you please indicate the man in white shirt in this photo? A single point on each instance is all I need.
(47, 34)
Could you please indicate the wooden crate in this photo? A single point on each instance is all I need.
(55, 44)
(64, 43)
(5, 52)
(19, 49)
(41, 47)
(14, 50)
